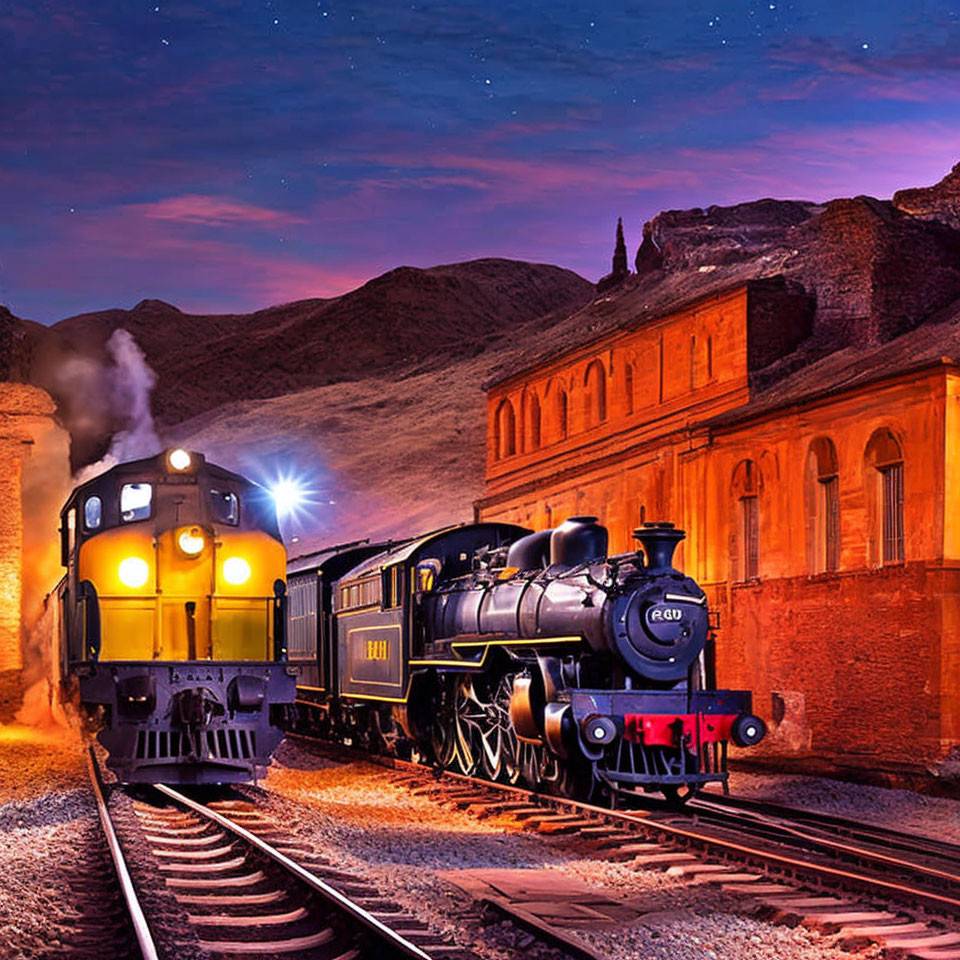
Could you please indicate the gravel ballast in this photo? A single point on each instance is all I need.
(52, 857)
(367, 825)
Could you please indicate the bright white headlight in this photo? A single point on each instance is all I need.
(179, 459)
(191, 541)
(133, 572)
(236, 570)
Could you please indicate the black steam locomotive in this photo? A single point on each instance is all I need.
(530, 657)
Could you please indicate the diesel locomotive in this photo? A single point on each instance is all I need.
(529, 657)
(173, 619)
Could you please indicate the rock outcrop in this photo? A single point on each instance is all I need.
(941, 202)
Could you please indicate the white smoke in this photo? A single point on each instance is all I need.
(131, 383)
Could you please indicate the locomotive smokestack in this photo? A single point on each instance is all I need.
(659, 541)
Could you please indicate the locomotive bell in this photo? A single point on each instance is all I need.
(659, 542)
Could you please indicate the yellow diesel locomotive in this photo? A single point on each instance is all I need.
(173, 619)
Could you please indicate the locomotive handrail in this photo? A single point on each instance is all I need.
(141, 928)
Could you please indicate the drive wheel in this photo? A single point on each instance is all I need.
(469, 721)
(442, 734)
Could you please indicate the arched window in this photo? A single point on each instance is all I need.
(628, 388)
(822, 494)
(562, 413)
(532, 428)
(746, 487)
(506, 430)
(595, 394)
(883, 479)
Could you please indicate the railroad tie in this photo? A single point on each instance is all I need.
(202, 883)
(855, 936)
(229, 899)
(756, 888)
(627, 851)
(265, 947)
(216, 867)
(253, 920)
(203, 841)
(910, 944)
(645, 860)
(500, 809)
(695, 868)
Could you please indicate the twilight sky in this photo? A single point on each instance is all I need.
(228, 155)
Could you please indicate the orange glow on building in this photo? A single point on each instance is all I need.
(34, 477)
(822, 514)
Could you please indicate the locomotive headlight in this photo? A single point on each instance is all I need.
(236, 571)
(179, 459)
(133, 572)
(191, 541)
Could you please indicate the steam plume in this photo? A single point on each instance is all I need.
(131, 383)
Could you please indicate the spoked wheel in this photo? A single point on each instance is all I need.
(442, 735)
(476, 741)
(522, 762)
(511, 766)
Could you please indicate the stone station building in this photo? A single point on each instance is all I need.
(822, 509)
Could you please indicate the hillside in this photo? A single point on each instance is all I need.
(403, 321)
(376, 397)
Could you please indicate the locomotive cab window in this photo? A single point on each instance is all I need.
(136, 500)
(225, 507)
(392, 588)
(363, 593)
(92, 513)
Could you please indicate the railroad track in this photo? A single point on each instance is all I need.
(241, 887)
(864, 882)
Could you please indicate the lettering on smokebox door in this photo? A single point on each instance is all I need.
(658, 614)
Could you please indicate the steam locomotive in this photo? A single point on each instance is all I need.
(173, 619)
(532, 658)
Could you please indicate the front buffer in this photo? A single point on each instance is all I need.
(193, 721)
(643, 740)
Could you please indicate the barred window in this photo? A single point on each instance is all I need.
(562, 414)
(750, 519)
(745, 520)
(829, 489)
(884, 477)
(822, 504)
(892, 484)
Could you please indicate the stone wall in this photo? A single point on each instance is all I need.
(34, 478)
(864, 654)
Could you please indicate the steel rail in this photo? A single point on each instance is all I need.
(141, 929)
(390, 937)
(830, 823)
(784, 826)
(755, 854)
(862, 881)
